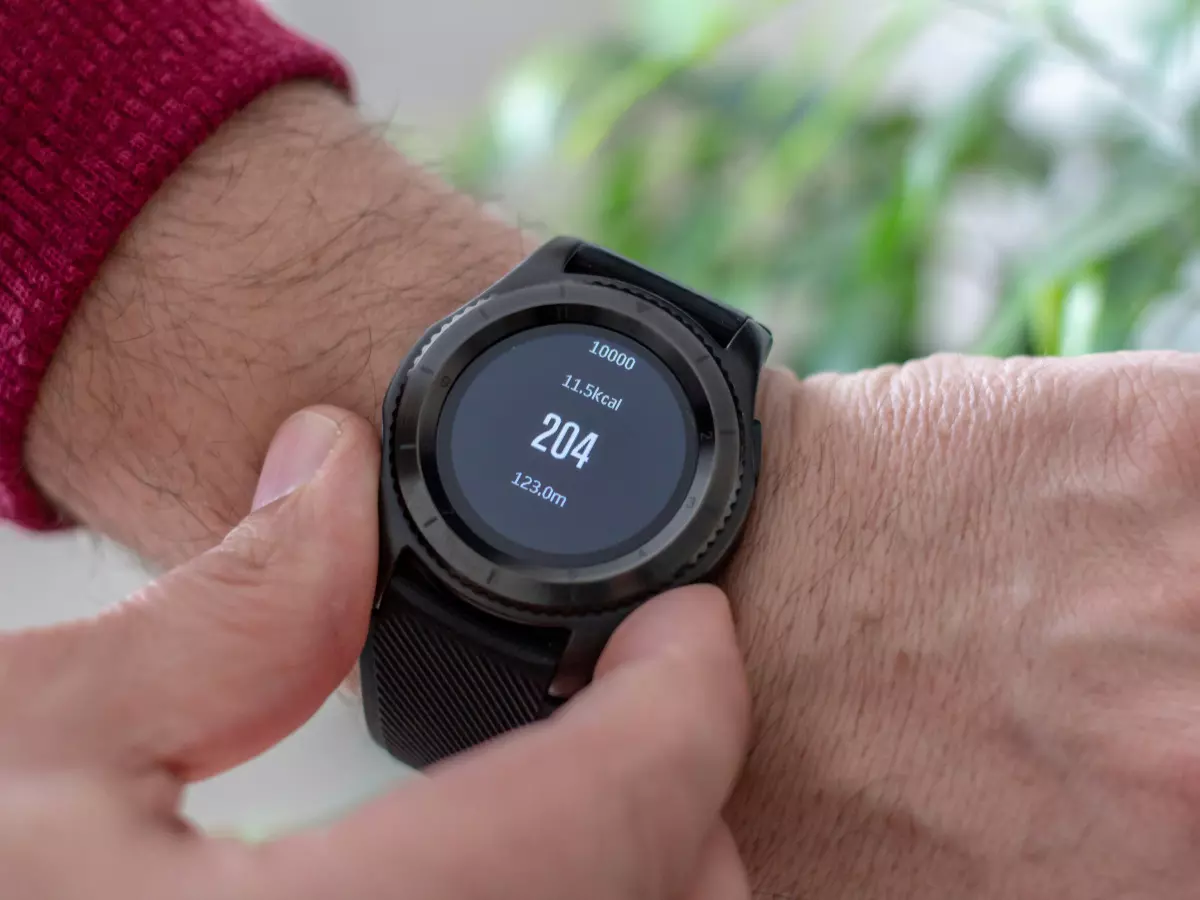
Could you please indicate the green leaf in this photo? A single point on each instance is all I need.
(678, 28)
(1137, 205)
(802, 150)
(621, 218)
(1007, 334)
(1136, 277)
(1083, 308)
(1173, 30)
(1045, 318)
(951, 139)
(1141, 203)
(640, 80)
(861, 332)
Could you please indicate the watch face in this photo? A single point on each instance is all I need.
(566, 444)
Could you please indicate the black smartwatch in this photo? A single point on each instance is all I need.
(565, 446)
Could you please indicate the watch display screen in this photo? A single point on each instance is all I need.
(566, 442)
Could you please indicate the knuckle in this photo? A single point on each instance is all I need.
(262, 579)
(245, 559)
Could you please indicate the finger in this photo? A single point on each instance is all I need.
(228, 654)
(721, 875)
(612, 799)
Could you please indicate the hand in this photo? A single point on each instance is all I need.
(965, 587)
(103, 723)
(970, 596)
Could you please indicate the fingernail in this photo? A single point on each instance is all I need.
(299, 448)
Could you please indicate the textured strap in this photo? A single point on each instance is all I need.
(437, 680)
(721, 321)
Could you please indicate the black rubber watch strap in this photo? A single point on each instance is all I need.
(436, 683)
(719, 320)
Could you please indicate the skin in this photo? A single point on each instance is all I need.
(967, 596)
(619, 795)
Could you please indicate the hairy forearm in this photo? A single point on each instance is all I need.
(294, 259)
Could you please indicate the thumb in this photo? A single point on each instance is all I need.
(615, 797)
(227, 655)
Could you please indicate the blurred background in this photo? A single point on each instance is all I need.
(878, 180)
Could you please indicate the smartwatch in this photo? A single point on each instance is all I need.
(572, 442)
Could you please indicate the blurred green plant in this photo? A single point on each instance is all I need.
(814, 193)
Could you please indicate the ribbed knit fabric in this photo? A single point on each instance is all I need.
(100, 100)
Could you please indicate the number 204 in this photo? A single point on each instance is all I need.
(567, 440)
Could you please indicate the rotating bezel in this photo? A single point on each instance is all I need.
(495, 579)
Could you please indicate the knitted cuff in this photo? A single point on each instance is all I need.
(100, 101)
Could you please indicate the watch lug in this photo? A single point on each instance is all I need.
(746, 357)
(547, 263)
(583, 650)
(394, 542)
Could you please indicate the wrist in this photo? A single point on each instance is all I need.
(790, 461)
(797, 572)
(293, 259)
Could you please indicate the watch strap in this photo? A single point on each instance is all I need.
(439, 679)
(720, 321)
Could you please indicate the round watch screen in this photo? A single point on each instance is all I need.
(566, 442)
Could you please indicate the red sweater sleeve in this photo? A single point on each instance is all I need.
(100, 100)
